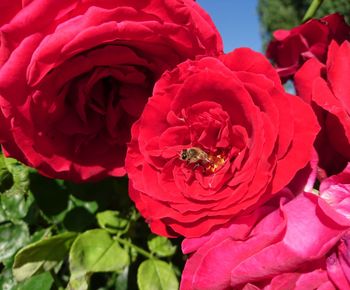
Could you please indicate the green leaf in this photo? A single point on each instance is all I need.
(6, 280)
(90, 206)
(96, 251)
(20, 173)
(111, 221)
(15, 204)
(161, 246)
(78, 283)
(5, 176)
(12, 237)
(39, 235)
(42, 255)
(3, 216)
(43, 281)
(156, 275)
(121, 282)
(133, 254)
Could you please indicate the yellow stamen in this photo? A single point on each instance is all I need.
(216, 162)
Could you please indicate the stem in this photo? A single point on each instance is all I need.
(315, 191)
(56, 280)
(311, 11)
(137, 249)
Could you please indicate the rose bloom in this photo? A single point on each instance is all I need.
(335, 190)
(291, 48)
(327, 88)
(338, 263)
(75, 75)
(300, 244)
(219, 136)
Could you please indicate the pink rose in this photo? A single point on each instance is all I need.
(75, 75)
(335, 191)
(289, 248)
(338, 263)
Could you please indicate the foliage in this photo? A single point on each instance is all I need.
(285, 14)
(56, 235)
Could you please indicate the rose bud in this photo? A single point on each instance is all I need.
(291, 48)
(218, 137)
(75, 75)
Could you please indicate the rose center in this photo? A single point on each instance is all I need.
(103, 94)
(209, 162)
(217, 161)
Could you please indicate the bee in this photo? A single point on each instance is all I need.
(195, 155)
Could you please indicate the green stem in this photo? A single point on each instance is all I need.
(136, 248)
(311, 11)
(56, 280)
(315, 191)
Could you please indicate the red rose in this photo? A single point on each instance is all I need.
(298, 245)
(327, 88)
(75, 75)
(291, 48)
(218, 137)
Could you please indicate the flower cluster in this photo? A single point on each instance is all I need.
(255, 179)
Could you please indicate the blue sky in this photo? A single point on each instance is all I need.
(236, 20)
